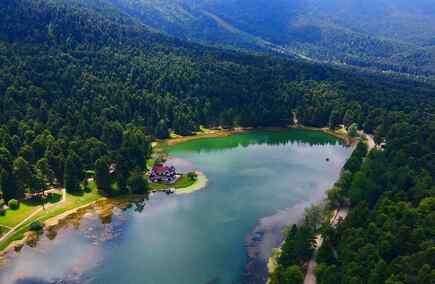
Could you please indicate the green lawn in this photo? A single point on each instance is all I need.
(150, 163)
(72, 201)
(13, 217)
(183, 182)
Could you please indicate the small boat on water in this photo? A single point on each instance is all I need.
(170, 190)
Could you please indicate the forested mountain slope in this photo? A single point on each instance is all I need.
(81, 81)
(385, 34)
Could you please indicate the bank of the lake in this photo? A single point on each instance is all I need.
(332, 216)
(52, 214)
(258, 182)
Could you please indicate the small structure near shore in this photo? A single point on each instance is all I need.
(162, 173)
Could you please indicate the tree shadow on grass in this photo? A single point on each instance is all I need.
(54, 198)
(77, 193)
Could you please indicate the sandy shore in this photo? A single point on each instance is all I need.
(200, 183)
(342, 136)
(209, 134)
(55, 222)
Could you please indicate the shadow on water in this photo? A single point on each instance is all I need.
(101, 239)
(96, 223)
(33, 280)
(103, 210)
(264, 137)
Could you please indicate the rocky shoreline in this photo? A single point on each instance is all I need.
(268, 234)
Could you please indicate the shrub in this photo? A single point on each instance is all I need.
(353, 130)
(192, 176)
(36, 226)
(13, 204)
(2, 211)
(137, 183)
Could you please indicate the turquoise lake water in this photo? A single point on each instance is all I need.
(258, 182)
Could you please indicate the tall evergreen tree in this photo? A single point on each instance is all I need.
(72, 173)
(137, 183)
(23, 176)
(102, 175)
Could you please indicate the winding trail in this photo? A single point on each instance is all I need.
(339, 214)
(310, 277)
(370, 141)
(34, 213)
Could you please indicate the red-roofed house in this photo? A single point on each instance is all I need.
(162, 173)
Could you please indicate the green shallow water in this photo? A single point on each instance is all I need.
(258, 182)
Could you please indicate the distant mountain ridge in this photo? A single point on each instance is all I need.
(385, 34)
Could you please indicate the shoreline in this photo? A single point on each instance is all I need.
(54, 221)
(199, 184)
(309, 278)
(341, 136)
(217, 133)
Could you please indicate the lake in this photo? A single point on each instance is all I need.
(258, 182)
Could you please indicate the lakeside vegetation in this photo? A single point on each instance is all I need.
(291, 262)
(88, 89)
(86, 196)
(183, 182)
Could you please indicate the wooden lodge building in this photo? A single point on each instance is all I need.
(162, 173)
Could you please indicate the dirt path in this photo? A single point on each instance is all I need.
(370, 141)
(5, 236)
(34, 213)
(310, 277)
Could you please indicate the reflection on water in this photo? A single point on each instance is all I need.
(254, 190)
(270, 138)
(91, 229)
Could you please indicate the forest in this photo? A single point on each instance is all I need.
(389, 35)
(83, 86)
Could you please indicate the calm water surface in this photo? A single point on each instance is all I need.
(258, 182)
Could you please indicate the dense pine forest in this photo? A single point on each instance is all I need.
(391, 35)
(82, 86)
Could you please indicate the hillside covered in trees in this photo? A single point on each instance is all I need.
(392, 35)
(82, 82)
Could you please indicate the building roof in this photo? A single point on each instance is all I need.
(160, 169)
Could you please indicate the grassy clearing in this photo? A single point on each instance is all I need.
(55, 208)
(72, 201)
(14, 217)
(182, 182)
(3, 230)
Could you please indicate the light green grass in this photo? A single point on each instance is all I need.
(14, 217)
(204, 129)
(3, 230)
(150, 163)
(182, 182)
(72, 201)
